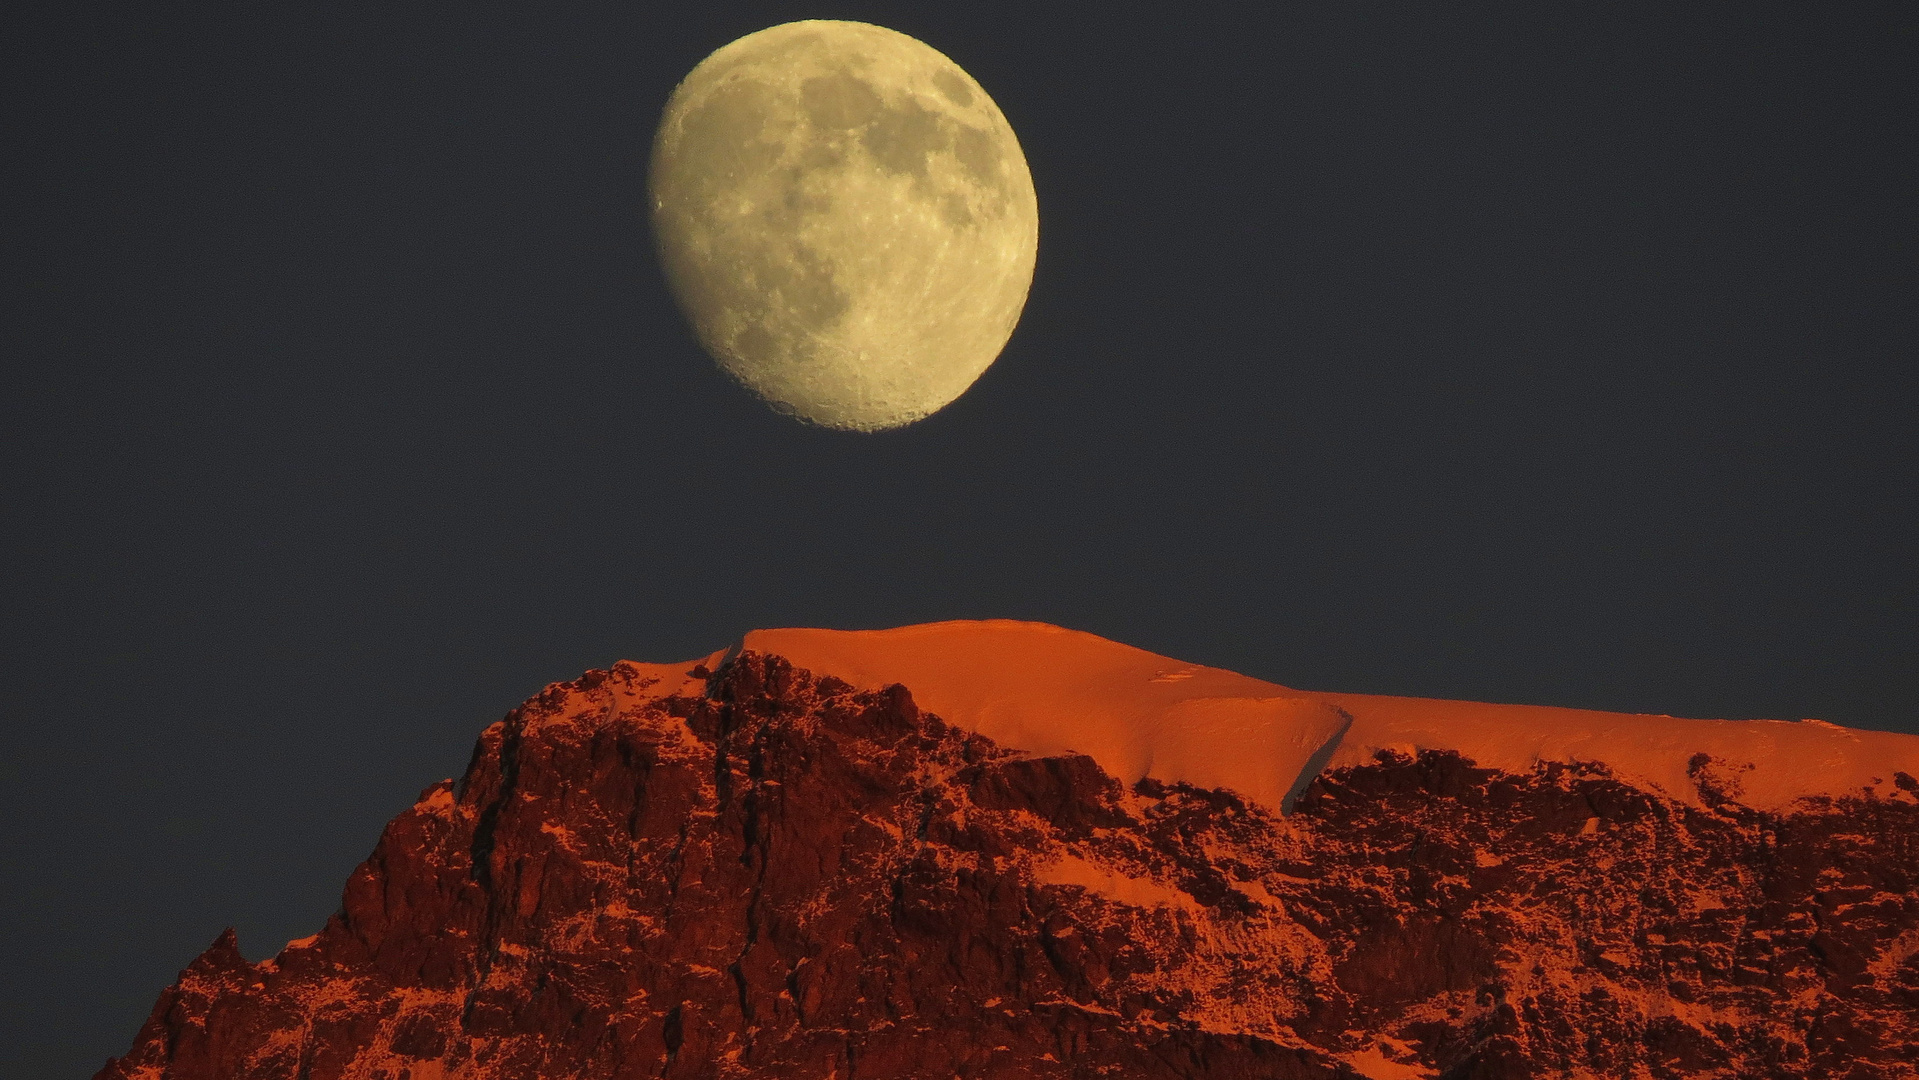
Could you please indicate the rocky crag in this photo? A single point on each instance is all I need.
(764, 872)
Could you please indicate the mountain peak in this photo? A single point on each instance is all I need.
(1045, 689)
(746, 867)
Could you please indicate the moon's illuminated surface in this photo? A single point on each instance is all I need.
(846, 219)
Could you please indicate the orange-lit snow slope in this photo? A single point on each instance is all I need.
(1047, 690)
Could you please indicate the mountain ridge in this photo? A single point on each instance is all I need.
(1012, 680)
(742, 867)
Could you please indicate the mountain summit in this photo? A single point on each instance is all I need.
(1005, 849)
(1048, 690)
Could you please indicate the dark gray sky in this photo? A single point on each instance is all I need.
(1514, 352)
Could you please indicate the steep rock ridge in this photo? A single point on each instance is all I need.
(661, 871)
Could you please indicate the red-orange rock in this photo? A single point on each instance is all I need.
(785, 877)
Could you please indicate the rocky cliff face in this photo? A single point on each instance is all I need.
(770, 873)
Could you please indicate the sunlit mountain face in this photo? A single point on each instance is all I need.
(1007, 850)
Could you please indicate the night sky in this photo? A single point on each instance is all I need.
(1554, 356)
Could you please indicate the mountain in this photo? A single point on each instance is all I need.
(1009, 850)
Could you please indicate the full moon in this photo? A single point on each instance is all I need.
(846, 219)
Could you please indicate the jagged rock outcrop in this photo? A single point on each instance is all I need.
(764, 872)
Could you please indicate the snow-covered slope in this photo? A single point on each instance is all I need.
(1045, 689)
(1048, 690)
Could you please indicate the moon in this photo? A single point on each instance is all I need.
(845, 218)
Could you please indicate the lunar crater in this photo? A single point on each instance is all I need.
(846, 219)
